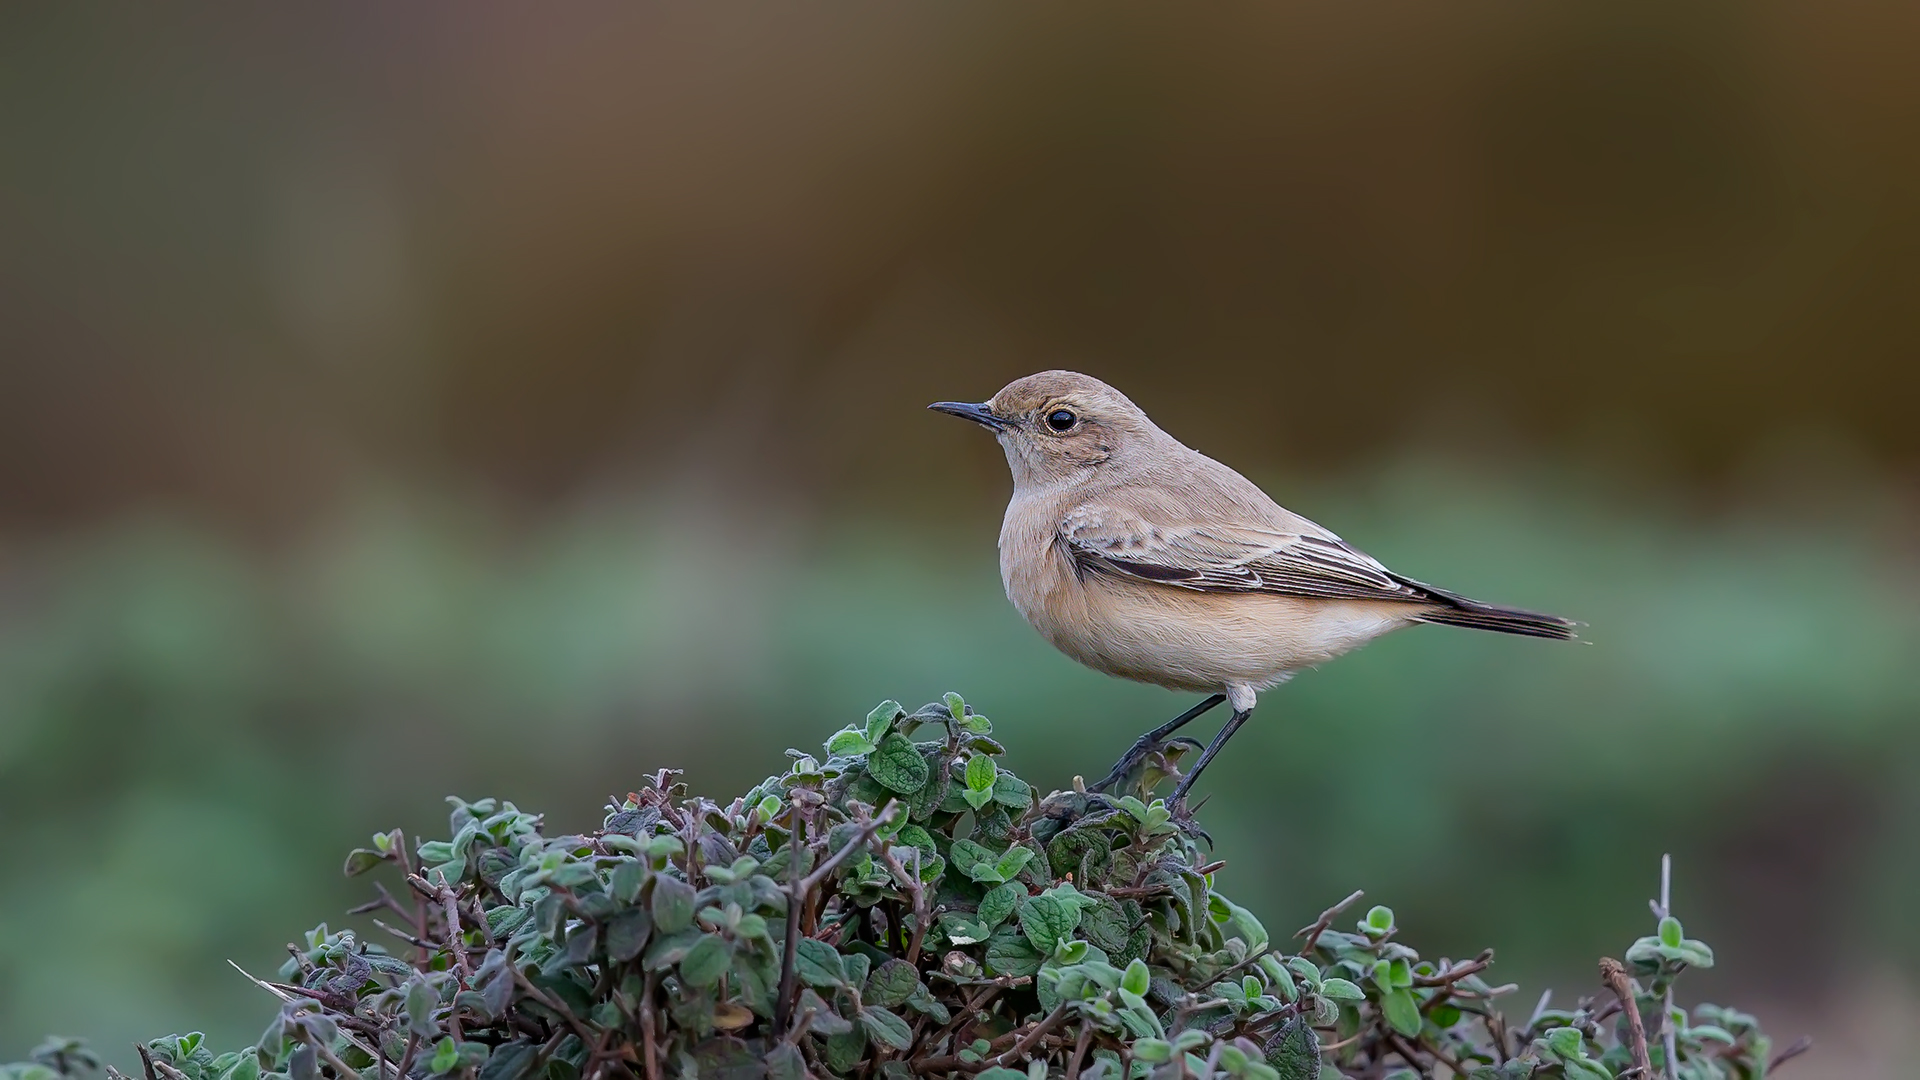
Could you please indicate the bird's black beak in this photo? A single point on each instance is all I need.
(979, 414)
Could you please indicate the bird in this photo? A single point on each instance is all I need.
(1143, 558)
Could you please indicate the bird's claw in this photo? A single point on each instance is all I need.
(1142, 751)
(1185, 820)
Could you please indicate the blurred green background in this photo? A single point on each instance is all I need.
(396, 402)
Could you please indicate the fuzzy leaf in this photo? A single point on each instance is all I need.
(849, 743)
(672, 904)
(999, 903)
(886, 1027)
(898, 766)
(1402, 1012)
(818, 963)
(1047, 921)
(706, 961)
(981, 772)
(891, 984)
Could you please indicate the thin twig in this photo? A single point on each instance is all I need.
(651, 1059)
(1670, 1037)
(403, 935)
(1080, 1049)
(1040, 1030)
(922, 905)
(1325, 922)
(542, 997)
(1457, 972)
(1794, 1049)
(880, 821)
(1615, 977)
(796, 847)
(340, 1068)
(450, 903)
(1539, 1008)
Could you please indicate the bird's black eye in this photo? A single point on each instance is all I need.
(1060, 419)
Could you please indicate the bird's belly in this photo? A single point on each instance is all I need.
(1205, 641)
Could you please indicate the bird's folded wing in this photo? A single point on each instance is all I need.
(1217, 557)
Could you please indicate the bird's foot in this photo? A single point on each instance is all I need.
(1153, 759)
(1185, 820)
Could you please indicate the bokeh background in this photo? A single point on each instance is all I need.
(397, 401)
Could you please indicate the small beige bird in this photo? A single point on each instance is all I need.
(1143, 558)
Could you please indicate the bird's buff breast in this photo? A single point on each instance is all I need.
(1179, 638)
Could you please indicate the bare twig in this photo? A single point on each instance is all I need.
(1080, 1050)
(650, 1051)
(1615, 977)
(340, 1068)
(1040, 1030)
(1794, 1049)
(450, 903)
(1670, 1037)
(880, 821)
(1539, 1007)
(1325, 922)
(1457, 972)
(922, 904)
(403, 935)
(796, 847)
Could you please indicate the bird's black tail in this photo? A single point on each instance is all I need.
(1478, 616)
(1452, 609)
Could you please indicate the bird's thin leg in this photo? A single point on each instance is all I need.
(1145, 744)
(1226, 732)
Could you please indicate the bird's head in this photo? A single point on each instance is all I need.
(1059, 426)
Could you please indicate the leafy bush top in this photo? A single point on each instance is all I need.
(904, 907)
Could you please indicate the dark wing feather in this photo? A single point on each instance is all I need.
(1217, 558)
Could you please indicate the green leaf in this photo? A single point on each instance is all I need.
(627, 933)
(1295, 1054)
(445, 1056)
(886, 1027)
(1137, 978)
(1013, 862)
(1670, 932)
(956, 706)
(1380, 919)
(1009, 953)
(849, 743)
(784, 1062)
(360, 860)
(976, 798)
(882, 719)
(1694, 952)
(1010, 790)
(1402, 1011)
(1341, 990)
(629, 876)
(706, 961)
(1152, 1051)
(897, 765)
(891, 984)
(981, 772)
(999, 903)
(421, 1000)
(512, 1061)
(1566, 1042)
(1047, 920)
(844, 1051)
(817, 963)
(672, 904)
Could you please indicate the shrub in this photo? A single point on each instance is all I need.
(900, 908)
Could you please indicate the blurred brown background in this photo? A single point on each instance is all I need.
(386, 381)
